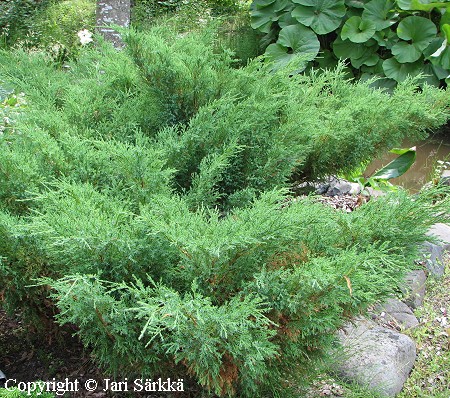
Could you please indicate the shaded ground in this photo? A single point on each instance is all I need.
(26, 357)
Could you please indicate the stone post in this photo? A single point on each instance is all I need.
(113, 12)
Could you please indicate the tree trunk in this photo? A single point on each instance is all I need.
(113, 12)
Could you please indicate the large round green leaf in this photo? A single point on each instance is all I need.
(323, 16)
(286, 19)
(405, 52)
(279, 55)
(404, 4)
(301, 40)
(292, 41)
(376, 69)
(356, 3)
(370, 58)
(399, 72)
(417, 33)
(346, 49)
(263, 13)
(419, 30)
(381, 13)
(359, 54)
(358, 30)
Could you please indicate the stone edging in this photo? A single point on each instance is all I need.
(379, 357)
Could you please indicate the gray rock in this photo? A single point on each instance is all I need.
(305, 188)
(322, 189)
(445, 177)
(375, 193)
(442, 232)
(414, 288)
(397, 311)
(338, 187)
(432, 258)
(375, 357)
(2, 379)
(356, 188)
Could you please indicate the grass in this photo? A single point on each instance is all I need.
(430, 377)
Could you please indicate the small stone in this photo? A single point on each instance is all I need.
(432, 258)
(399, 312)
(414, 288)
(355, 189)
(442, 232)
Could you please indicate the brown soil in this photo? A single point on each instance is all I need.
(28, 356)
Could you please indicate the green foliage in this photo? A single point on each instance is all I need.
(388, 39)
(184, 15)
(49, 24)
(16, 18)
(60, 21)
(261, 284)
(183, 75)
(118, 119)
(16, 393)
(148, 189)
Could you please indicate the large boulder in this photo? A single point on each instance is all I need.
(375, 357)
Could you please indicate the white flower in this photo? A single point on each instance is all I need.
(85, 36)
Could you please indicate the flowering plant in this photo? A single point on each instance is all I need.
(85, 36)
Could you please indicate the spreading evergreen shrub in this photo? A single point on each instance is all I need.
(148, 190)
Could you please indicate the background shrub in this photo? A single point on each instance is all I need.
(16, 19)
(60, 22)
(50, 24)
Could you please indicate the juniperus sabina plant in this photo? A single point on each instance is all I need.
(151, 200)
